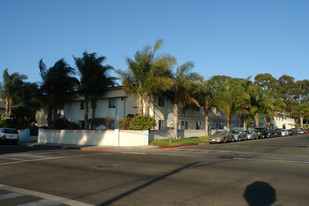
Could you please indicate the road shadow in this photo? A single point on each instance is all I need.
(260, 193)
(11, 149)
(108, 202)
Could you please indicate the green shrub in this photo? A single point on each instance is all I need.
(137, 122)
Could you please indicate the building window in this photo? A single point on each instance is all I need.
(198, 125)
(161, 102)
(82, 105)
(111, 103)
(160, 124)
(81, 123)
(185, 124)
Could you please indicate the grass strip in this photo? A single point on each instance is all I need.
(181, 141)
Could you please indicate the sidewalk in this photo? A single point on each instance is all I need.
(86, 147)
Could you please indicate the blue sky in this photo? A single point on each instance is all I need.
(238, 38)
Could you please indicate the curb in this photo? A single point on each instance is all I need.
(100, 148)
(184, 145)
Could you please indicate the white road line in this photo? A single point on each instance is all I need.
(48, 158)
(11, 195)
(53, 198)
(11, 158)
(43, 202)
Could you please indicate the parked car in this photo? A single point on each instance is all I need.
(9, 135)
(252, 135)
(307, 131)
(221, 136)
(284, 132)
(261, 131)
(278, 132)
(270, 133)
(239, 135)
(301, 131)
(290, 131)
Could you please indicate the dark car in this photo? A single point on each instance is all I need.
(290, 131)
(262, 132)
(270, 133)
(278, 132)
(9, 135)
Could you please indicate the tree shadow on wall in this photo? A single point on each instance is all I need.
(260, 193)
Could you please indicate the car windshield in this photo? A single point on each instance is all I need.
(10, 131)
(250, 132)
(219, 133)
(235, 131)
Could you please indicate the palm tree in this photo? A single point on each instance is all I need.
(94, 81)
(57, 86)
(206, 99)
(300, 110)
(182, 90)
(147, 75)
(11, 90)
(230, 97)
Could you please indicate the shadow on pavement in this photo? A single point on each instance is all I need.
(260, 193)
(108, 202)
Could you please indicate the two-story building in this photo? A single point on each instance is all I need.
(117, 104)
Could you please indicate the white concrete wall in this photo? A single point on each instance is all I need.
(94, 137)
(77, 137)
(132, 138)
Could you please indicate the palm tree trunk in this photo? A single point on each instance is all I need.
(6, 106)
(256, 119)
(175, 109)
(245, 125)
(147, 106)
(228, 122)
(206, 124)
(93, 108)
(140, 105)
(49, 116)
(86, 112)
(301, 119)
(55, 110)
(10, 106)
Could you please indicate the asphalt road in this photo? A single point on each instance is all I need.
(258, 172)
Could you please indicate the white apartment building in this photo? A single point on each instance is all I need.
(117, 104)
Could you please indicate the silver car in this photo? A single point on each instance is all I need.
(239, 135)
(252, 135)
(9, 135)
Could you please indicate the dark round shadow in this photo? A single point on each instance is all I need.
(260, 194)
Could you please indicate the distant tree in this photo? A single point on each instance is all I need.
(302, 90)
(57, 86)
(265, 81)
(230, 97)
(287, 91)
(300, 111)
(206, 98)
(94, 81)
(11, 90)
